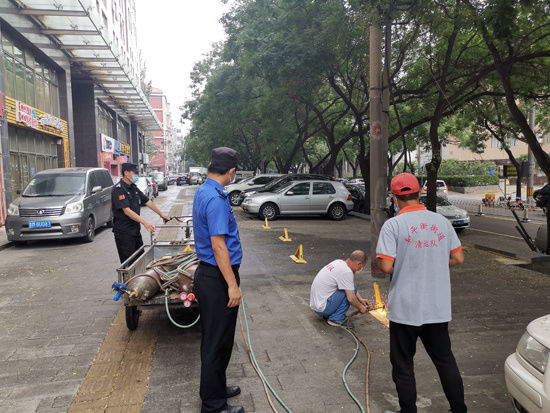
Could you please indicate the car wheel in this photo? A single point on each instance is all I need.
(269, 211)
(459, 230)
(234, 198)
(90, 229)
(337, 212)
(132, 317)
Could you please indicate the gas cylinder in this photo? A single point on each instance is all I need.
(144, 286)
(184, 283)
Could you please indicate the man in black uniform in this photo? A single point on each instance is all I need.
(126, 200)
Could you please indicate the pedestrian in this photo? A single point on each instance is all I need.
(333, 290)
(126, 200)
(418, 246)
(217, 280)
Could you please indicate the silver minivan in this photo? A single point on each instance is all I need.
(61, 203)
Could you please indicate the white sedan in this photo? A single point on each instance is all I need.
(527, 372)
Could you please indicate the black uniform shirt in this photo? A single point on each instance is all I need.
(126, 196)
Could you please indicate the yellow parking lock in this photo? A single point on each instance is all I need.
(298, 257)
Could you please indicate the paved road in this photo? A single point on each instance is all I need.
(57, 313)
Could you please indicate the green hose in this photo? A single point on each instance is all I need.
(170, 317)
(346, 369)
(287, 409)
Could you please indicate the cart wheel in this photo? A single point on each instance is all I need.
(132, 317)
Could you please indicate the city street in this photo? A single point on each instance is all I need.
(66, 345)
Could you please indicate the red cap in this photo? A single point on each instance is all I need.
(404, 184)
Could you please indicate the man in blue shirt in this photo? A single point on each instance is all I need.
(218, 247)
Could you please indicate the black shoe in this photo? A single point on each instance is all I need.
(233, 409)
(232, 391)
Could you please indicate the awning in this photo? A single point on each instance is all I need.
(77, 29)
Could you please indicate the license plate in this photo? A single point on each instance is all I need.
(40, 224)
(458, 223)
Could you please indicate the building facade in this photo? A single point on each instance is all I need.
(162, 138)
(70, 91)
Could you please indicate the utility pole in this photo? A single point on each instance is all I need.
(418, 159)
(378, 142)
(531, 159)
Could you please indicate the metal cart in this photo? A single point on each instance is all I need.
(137, 264)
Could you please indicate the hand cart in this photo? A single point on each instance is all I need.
(138, 262)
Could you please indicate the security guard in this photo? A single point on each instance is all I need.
(217, 280)
(126, 200)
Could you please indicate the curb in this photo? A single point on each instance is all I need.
(360, 215)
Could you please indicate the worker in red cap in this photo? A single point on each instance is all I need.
(417, 247)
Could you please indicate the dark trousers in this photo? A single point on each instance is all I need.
(126, 245)
(218, 332)
(437, 343)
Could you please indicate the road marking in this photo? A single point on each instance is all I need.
(119, 375)
(495, 233)
(533, 221)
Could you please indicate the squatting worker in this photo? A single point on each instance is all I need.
(217, 280)
(418, 246)
(333, 290)
(126, 200)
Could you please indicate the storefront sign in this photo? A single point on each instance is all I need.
(117, 148)
(1, 106)
(125, 149)
(26, 114)
(107, 143)
(49, 121)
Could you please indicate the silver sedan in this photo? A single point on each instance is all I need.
(301, 198)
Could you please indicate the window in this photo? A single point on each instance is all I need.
(9, 75)
(263, 180)
(93, 181)
(300, 189)
(323, 188)
(105, 121)
(105, 179)
(122, 131)
(511, 141)
(495, 143)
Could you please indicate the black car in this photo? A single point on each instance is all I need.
(280, 182)
(357, 196)
(182, 180)
(172, 179)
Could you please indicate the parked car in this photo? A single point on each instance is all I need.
(145, 186)
(458, 217)
(301, 198)
(160, 179)
(195, 178)
(441, 187)
(357, 181)
(357, 196)
(61, 203)
(234, 190)
(281, 181)
(183, 180)
(527, 371)
(155, 187)
(172, 179)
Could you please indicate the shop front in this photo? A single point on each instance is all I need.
(113, 154)
(37, 141)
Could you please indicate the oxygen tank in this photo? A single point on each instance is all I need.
(145, 286)
(184, 283)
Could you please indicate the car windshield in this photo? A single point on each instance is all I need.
(56, 185)
(141, 182)
(276, 184)
(439, 200)
(283, 186)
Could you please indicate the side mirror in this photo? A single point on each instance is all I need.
(289, 193)
(96, 189)
(18, 192)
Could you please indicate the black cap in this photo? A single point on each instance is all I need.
(129, 167)
(225, 158)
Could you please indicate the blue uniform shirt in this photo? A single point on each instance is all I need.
(213, 215)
